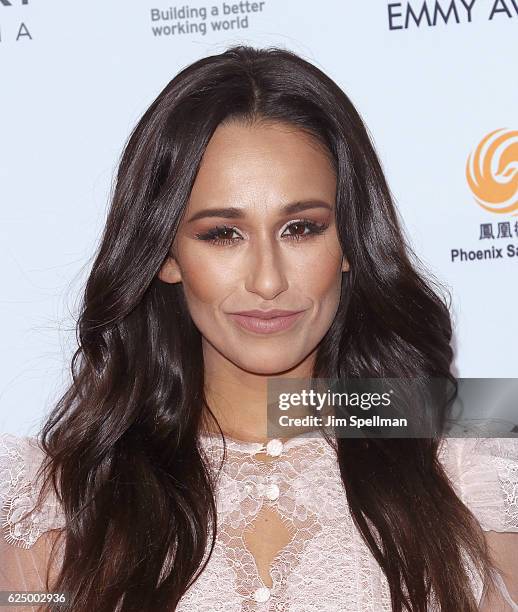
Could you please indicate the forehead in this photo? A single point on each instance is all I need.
(268, 163)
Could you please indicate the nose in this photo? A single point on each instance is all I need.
(266, 273)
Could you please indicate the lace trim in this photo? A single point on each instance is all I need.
(252, 448)
(19, 494)
(484, 473)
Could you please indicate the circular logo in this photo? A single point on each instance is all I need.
(492, 172)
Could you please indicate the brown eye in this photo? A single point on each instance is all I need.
(299, 229)
(219, 235)
(226, 233)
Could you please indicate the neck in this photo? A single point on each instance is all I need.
(238, 398)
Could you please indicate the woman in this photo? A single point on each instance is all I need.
(251, 184)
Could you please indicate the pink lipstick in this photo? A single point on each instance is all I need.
(266, 321)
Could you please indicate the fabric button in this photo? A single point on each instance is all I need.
(262, 594)
(274, 447)
(272, 491)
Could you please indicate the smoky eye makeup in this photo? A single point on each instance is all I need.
(298, 230)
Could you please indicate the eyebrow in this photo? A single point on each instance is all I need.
(239, 213)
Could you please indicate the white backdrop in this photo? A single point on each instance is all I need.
(431, 80)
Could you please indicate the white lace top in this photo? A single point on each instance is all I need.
(286, 541)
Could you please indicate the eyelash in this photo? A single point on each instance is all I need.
(211, 235)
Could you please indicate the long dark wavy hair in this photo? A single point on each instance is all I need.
(122, 444)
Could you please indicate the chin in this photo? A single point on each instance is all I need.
(268, 366)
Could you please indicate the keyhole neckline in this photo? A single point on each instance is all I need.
(256, 447)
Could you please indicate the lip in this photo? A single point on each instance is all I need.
(268, 321)
(267, 314)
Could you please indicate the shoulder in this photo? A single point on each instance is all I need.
(21, 522)
(484, 472)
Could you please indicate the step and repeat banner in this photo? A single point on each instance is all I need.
(435, 83)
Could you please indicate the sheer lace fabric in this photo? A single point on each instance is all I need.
(286, 541)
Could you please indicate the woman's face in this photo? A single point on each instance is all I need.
(259, 233)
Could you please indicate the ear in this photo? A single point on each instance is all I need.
(170, 271)
(345, 265)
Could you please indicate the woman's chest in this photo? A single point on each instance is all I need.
(286, 542)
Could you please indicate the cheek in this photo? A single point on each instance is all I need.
(205, 279)
(319, 272)
(323, 288)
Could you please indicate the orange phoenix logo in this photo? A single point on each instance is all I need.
(492, 172)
